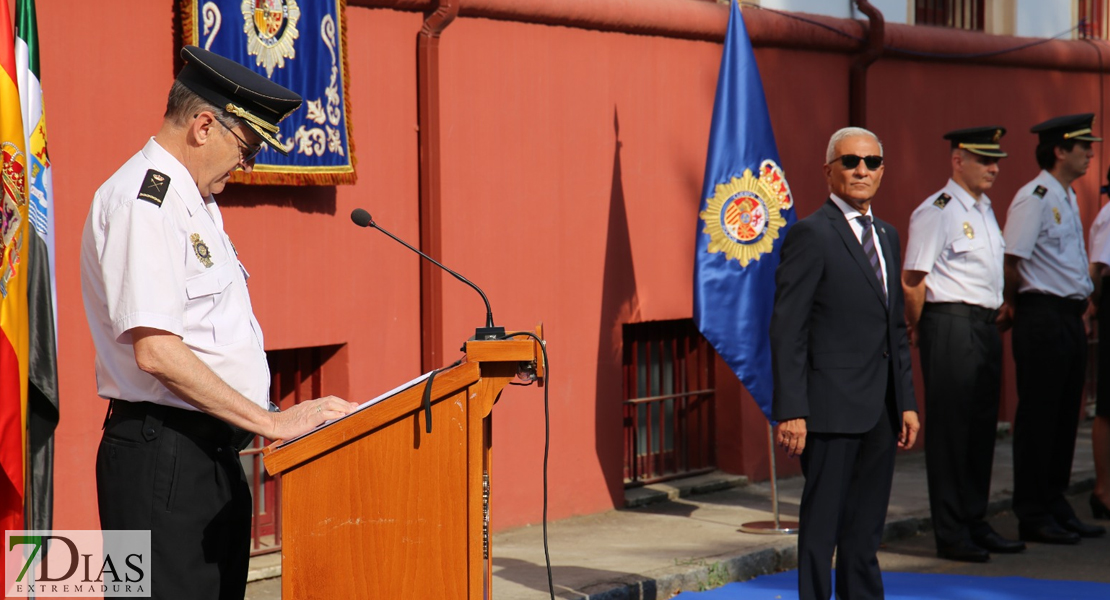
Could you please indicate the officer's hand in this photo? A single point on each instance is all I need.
(911, 333)
(1005, 319)
(306, 416)
(910, 427)
(791, 435)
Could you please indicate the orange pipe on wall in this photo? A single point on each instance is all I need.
(857, 73)
(430, 166)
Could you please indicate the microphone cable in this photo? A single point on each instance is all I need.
(546, 442)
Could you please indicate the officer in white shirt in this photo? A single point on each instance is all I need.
(179, 353)
(952, 279)
(1047, 290)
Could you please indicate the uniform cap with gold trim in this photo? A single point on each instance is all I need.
(258, 102)
(1067, 128)
(979, 140)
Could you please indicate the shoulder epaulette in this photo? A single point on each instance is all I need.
(155, 186)
(1040, 191)
(942, 201)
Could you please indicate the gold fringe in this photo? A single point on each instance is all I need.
(285, 178)
(187, 9)
(346, 92)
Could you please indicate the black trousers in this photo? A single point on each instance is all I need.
(175, 473)
(1050, 354)
(1102, 405)
(844, 502)
(961, 358)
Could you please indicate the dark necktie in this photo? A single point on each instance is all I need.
(867, 240)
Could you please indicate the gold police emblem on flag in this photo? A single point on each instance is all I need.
(271, 27)
(201, 249)
(744, 216)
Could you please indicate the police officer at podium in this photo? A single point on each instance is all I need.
(952, 278)
(179, 353)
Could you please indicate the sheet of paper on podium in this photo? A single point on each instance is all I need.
(363, 406)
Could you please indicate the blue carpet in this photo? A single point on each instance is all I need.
(919, 586)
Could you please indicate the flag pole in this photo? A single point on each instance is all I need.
(778, 526)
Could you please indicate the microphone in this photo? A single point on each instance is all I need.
(489, 332)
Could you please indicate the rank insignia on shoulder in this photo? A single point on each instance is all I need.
(1040, 191)
(155, 186)
(942, 200)
(201, 249)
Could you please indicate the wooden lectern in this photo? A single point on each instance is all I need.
(374, 507)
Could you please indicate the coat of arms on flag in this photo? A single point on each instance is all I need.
(744, 216)
(301, 45)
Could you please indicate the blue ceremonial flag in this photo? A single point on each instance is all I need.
(300, 44)
(746, 208)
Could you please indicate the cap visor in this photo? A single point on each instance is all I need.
(270, 140)
(991, 153)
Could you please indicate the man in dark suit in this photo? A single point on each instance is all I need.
(842, 375)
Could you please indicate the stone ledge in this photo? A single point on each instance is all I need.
(681, 488)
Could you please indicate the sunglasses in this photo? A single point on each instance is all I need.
(851, 161)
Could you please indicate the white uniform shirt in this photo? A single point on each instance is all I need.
(853, 215)
(170, 267)
(1044, 230)
(957, 242)
(1100, 238)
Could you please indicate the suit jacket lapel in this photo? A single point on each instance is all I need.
(840, 224)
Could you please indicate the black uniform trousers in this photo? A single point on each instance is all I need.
(847, 488)
(1050, 355)
(961, 359)
(174, 472)
(1102, 405)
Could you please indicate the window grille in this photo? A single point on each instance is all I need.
(1092, 18)
(958, 14)
(296, 375)
(668, 402)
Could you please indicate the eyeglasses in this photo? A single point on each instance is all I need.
(851, 161)
(247, 152)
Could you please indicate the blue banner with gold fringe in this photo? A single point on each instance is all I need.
(300, 44)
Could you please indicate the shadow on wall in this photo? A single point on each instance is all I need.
(320, 199)
(619, 304)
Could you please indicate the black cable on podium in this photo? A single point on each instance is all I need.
(546, 444)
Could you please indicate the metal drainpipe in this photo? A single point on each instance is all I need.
(857, 75)
(427, 94)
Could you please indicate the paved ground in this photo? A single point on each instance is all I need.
(692, 543)
(1084, 562)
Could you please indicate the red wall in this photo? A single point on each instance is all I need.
(572, 164)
